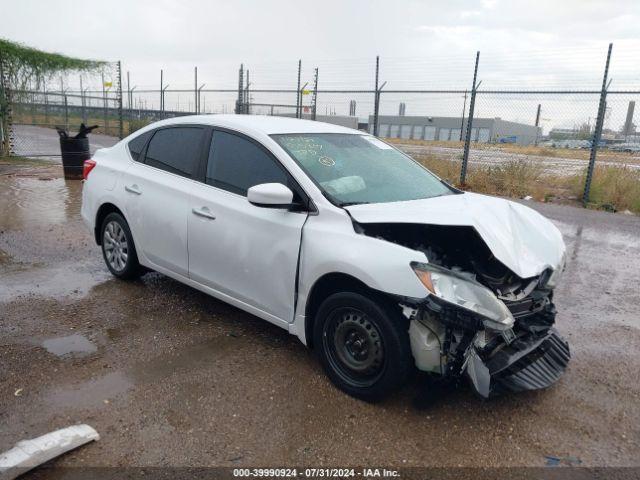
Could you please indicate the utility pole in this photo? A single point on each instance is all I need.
(195, 90)
(239, 107)
(161, 93)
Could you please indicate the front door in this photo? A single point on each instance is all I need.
(245, 252)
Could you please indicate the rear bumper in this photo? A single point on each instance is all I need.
(531, 362)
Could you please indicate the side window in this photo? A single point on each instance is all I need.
(175, 150)
(236, 164)
(137, 144)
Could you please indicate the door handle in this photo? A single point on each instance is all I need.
(204, 212)
(133, 189)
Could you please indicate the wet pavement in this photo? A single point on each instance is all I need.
(171, 377)
(44, 142)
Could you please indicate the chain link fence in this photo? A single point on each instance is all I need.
(465, 135)
(31, 117)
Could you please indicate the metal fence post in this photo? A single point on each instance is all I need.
(195, 90)
(6, 118)
(538, 123)
(467, 140)
(119, 100)
(376, 99)
(246, 96)
(597, 133)
(83, 102)
(315, 95)
(46, 101)
(104, 106)
(66, 113)
(298, 93)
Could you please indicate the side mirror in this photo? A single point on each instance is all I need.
(270, 195)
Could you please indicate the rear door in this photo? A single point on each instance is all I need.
(158, 188)
(248, 254)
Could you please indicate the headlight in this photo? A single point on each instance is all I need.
(463, 292)
(556, 275)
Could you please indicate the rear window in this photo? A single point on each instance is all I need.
(137, 145)
(175, 150)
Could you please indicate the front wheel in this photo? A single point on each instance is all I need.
(118, 249)
(363, 346)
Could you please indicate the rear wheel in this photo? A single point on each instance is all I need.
(363, 346)
(118, 250)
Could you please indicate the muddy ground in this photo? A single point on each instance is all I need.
(169, 376)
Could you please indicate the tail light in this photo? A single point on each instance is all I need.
(87, 167)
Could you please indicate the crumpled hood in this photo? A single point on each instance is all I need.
(522, 239)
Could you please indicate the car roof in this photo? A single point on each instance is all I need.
(264, 124)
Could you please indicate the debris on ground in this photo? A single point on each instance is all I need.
(28, 454)
(552, 461)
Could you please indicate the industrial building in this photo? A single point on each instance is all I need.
(485, 130)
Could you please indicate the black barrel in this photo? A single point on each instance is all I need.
(74, 152)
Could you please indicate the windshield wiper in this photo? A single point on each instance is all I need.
(348, 204)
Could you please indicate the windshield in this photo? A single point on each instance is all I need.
(355, 169)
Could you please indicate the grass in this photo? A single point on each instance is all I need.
(613, 188)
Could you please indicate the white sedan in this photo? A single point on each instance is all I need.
(346, 242)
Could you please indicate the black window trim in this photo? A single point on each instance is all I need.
(307, 201)
(143, 151)
(203, 152)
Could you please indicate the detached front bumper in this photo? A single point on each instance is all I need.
(529, 362)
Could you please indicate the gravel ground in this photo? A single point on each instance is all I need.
(558, 166)
(171, 377)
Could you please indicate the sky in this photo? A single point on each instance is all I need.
(422, 44)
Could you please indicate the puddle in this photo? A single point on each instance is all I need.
(27, 201)
(94, 392)
(90, 394)
(75, 345)
(56, 282)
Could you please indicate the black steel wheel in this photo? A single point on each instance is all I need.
(363, 345)
(354, 346)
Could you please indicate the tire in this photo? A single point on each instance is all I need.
(118, 250)
(362, 345)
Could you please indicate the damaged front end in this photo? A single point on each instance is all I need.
(528, 355)
(479, 319)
